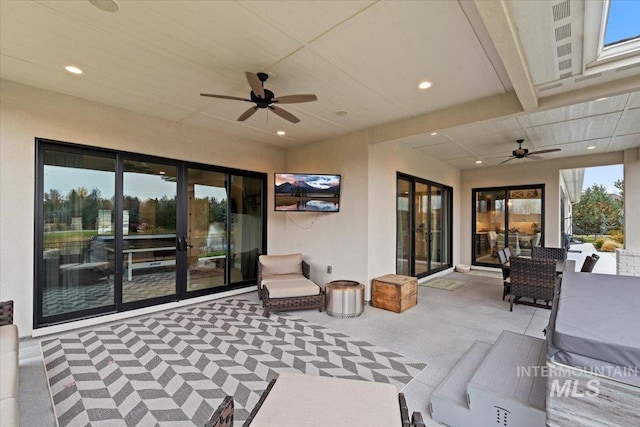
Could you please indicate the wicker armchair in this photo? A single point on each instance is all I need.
(223, 416)
(284, 284)
(539, 252)
(532, 278)
(506, 280)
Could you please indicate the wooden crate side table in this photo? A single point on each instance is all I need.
(394, 292)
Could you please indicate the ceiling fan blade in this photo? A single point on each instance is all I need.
(508, 160)
(294, 99)
(284, 114)
(534, 157)
(255, 83)
(550, 150)
(244, 116)
(225, 97)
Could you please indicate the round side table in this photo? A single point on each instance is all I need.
(344, 298)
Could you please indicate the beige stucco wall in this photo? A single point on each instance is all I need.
(385, 161)
(336, 239)
(525, 173)
(632, 199)
(27, 113)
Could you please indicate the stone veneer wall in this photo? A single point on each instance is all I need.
(627, 262)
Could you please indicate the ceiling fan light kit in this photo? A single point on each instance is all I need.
(264, 98)
(521, 153)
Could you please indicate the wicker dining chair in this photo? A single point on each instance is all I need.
(540, 252)
(532, 278)
(223, 416)
(506, 280)
(589, 262)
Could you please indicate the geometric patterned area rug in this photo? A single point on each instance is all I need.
(174, 368)
(446, 284)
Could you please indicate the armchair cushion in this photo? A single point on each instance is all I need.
(281, 264)
(272, 278)
(8, 339)
(292, 288)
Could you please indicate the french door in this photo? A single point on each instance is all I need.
(423, 226)
(117, 231)
(506, 217)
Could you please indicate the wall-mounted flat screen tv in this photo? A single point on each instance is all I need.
(300, 192)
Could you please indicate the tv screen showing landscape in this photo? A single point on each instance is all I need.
(299, 192)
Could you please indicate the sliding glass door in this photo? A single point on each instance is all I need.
(76, 205)
(206, 229)
(506, 217)
(117, 231)
(423, 218)
(149, 225)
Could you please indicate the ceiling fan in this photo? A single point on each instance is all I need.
(521, 153)
(264, 98)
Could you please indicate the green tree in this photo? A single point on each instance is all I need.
(597, 212)
(619, 184)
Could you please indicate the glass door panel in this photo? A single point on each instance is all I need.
(246, 238)
(525, 219)
(422, 232)
(403, 233)
(489, 232)
(206, 229)
(77, 270)
(149, 219)
(435, 231)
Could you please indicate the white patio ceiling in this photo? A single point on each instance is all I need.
(500, 70)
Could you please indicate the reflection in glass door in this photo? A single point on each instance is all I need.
(403, 221)
(76, 272)
(507, 217)
(423, 236)
(206, 229)
(422, 229)
(246, 240)
(149, 230)
(435, 237)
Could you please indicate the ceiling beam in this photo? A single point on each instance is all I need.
(591, 93)
(493, 107)
(497, 19)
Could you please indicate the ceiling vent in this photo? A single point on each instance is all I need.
(563, 50)
(563, 32)
(561, 10)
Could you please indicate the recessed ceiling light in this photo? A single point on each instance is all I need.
(601, 99)
(281, 132)
(73, 69)
(342, 113)
(434, 133)
(591, 147)
(106, 5)
(478, 162)
(424, 85)
(162, 172)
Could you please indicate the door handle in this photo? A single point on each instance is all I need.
(181, 243)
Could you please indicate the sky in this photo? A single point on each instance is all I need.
(603, 175)
(623, 20)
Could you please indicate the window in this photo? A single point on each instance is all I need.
(623, 22)
(611, 35)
